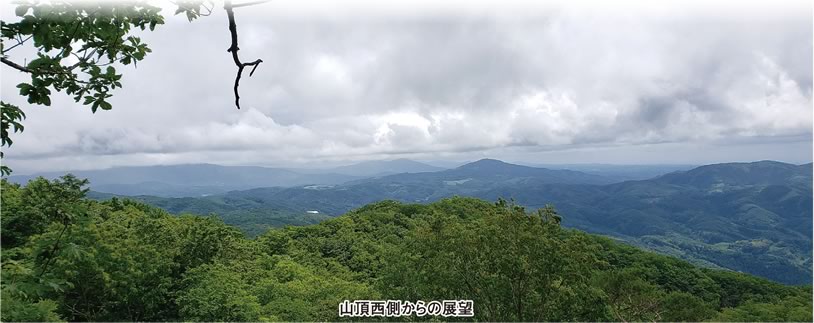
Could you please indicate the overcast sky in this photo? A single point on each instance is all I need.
(575, 83)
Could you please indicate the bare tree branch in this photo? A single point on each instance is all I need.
(208, 8)
(19, 42)
(251, 3)
(234, 48)
(15, 65)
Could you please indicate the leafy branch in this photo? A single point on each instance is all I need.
(79, 46)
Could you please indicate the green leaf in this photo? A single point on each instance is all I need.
(27, 25)
(105, 105)
(25, 88)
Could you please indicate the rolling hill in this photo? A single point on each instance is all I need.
(751, 217)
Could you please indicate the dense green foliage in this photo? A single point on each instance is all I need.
(66, 257)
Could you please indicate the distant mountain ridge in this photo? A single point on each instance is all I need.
(752, 217)
(196, 180)
(621, 173)
(385, 167)
(756, 173)
(190, 179)
(491, 172)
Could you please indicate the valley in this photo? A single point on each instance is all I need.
(749, 217)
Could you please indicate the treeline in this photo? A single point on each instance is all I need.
(65, 257)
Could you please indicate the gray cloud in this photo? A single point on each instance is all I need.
(346, 85)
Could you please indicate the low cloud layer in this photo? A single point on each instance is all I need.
(434, 84)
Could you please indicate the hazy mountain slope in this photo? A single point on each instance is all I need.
(384, 167)
(490, 172)
(373, 168)
(620, 173)
(733, 175)
(190, 180)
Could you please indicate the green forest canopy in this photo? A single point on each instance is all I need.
(69, 258)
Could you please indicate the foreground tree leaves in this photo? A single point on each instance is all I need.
(79, 46)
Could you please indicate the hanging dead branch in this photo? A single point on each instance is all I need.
(229, 7)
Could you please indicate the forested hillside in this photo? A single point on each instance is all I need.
(69, 258)
(749, 217)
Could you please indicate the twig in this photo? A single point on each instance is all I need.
(234, 48)
(52, 253)
(208, 9)
(246, 4)
(17, 44)
(15, 65)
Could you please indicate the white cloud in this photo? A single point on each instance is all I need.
(343, 84)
